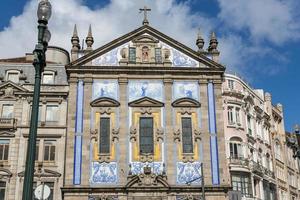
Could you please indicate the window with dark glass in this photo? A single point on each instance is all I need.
(49, 151)
(231, 84)
(4, 148)
(242, 183)
(132, 54)
(235, 150)
(146, 135)
(104, 144)
(158, 57)
(187, 137)
(2, 189)
(34, 186)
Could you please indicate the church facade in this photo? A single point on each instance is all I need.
(145, 120)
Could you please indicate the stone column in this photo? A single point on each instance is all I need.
(71, 114)
(169, 138)
(123, 132)
(88, 80)
(261, 189)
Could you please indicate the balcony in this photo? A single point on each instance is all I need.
(8, 123)
(233, 92)
(238, 164)
(257, 168)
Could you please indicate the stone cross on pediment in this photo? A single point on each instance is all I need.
(145, 10)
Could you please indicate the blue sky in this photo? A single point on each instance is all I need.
(259, 39)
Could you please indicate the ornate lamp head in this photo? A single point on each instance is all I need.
(44, 10)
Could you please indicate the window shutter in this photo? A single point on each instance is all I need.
(187, 140)
(146, 135)
(104, 135)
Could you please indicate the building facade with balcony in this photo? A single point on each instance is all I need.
(260, 160)
(248, 122)
(16, 90)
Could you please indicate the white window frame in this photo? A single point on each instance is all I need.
(52, 73)
(12, 72)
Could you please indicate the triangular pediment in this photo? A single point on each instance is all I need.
(146, 102)
(105, 102)
(8, 89)
(6, 134)
(186, 102)
(179, 54)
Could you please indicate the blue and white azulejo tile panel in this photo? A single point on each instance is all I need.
(188, 172)
(188, 89)
(138, 167)
(179, 59)
(110, 58)
(104, 173)
(106, 88)
(145, 88)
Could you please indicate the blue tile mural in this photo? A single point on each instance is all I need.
(78, 134)
(185, 89)
(145, 88)
(103, 173)
(188, 172)
(106, 88)
(213, 134)
(110, 58)
(138, 167)
(179, 59)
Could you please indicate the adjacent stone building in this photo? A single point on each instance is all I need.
(260, 162)
(16, 90)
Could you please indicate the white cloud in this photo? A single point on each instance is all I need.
(109, 22)
(272, 20)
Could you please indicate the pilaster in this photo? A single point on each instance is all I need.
(170, 157)
(123, 133)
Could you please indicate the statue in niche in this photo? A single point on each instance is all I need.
(145, 54)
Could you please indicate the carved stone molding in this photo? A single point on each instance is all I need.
(145, 111)
(146, 158)
(185, 111)
(188, 158)
(94, 134)
(105, 111)
(133, 134)
(115, 134)
(104, 158)
(159, 134)
(147, 179)
(177, 135)
(197, 135)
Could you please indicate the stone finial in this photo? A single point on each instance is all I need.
(89, 39)
(268, 96)
(279, 107)
(200, 41)
(213, 43)
(75, 39)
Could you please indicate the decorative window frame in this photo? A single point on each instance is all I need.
(186, 107)
(107, 108)
(13, 71)
(49, 72)
(146, 107)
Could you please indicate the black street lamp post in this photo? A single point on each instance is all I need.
(39, 63)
